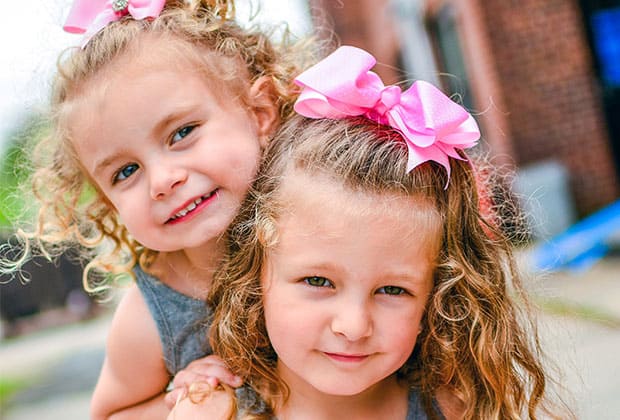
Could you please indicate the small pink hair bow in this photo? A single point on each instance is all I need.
(342, 85)
(90, 16)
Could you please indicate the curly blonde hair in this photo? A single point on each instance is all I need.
(477, 339)
(73, 212)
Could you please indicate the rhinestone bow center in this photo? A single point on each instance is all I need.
(120, 5)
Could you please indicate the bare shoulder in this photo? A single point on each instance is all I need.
(134, 368)
(133, 341)
(132, 320)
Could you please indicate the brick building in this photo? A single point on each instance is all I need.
(528, 68)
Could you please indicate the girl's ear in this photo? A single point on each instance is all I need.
(263, 99)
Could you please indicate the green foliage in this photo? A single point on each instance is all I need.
(9, 387)
(14, 172)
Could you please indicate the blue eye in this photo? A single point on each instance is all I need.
(316, 281)
(182, 133)
(124, 173)
(391, 290)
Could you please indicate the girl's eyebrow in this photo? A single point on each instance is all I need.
(410, 277)
(101, 165)
(177, 114)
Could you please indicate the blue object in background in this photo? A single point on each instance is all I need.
(606, 36)
(581, 245)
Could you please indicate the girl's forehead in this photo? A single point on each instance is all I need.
(155, 52)
(302, 190)
(151, 58)
(143, 67)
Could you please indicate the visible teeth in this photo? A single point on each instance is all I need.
(189, 208)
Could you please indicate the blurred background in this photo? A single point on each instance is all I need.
(543, 80)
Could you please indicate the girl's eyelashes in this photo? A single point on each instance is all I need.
(317, 281)
(182, 133)
(124, 173)
(391, 290)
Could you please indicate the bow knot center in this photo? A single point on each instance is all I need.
(120, 6)
(390, 97)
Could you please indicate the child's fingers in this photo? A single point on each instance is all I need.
(185, 378)
(182, 385)
(223, 374)
(208, 366)
(212, 373)
(174, 396)
(220, 404)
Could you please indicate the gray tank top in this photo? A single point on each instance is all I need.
(250, 403)
(416, 411)
(180, 320)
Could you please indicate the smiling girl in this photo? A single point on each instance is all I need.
(159, 121)
(361, 280)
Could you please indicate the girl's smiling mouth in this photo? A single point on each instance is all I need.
(192, 208)
(347, 358)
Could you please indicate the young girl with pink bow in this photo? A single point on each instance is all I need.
(360, 279)
(158, 124)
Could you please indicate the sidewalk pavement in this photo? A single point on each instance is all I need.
(580, 328)
(61, 364)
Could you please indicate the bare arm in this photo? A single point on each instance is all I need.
(133, 378)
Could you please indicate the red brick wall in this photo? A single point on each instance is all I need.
(554, 110)
(530, 69)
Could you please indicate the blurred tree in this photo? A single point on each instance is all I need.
(14, 172)
(51, 284)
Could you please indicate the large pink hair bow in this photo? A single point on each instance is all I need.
(342, 85)
(90, 16)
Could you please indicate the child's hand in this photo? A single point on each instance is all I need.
(203, 402)
(210, 369)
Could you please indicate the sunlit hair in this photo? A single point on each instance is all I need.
(201, 33)
(476, 341)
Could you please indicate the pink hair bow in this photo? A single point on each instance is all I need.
(342, 85)
(90, 16)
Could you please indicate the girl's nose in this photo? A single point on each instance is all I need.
(353, 321)
(164, 180)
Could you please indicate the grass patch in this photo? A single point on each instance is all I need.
(589, 313)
